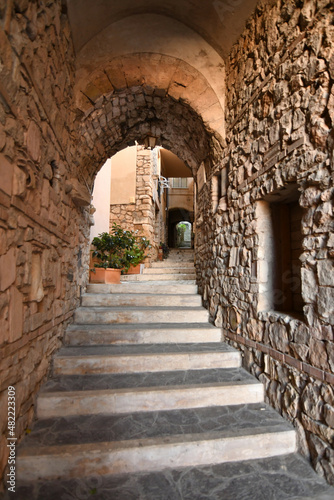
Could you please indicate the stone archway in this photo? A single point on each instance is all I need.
(118, 119)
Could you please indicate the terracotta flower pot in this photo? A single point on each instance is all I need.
(134, 269)
(101, 275)
(113, 276)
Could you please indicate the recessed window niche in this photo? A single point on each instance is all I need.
(280, 245)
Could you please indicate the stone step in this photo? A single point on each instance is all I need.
(149, 333)
(142, 287)
(140, 300)
(167, 263)
(105, 315)
(159, 277)
(149, 391)
(179, 258)
(186, 256)
(176, 260)
(107, 445)
(277, 477)
(169, 270)
(138, 389)
(181, 251)
(137, 358)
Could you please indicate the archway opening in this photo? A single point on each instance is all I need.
(183, 234)
(135, 190)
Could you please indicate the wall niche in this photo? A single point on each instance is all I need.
(279, 221)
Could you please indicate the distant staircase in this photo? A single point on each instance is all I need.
(144, 384)
(178, 267)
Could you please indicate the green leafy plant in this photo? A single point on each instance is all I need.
(119, 248)
(137, 253)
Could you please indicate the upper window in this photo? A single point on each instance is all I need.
(179, 182)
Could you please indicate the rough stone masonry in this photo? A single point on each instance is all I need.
(279, 117)
(277, 157)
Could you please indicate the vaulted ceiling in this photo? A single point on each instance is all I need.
(175, 46)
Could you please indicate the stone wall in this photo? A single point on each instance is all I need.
(280, 113)
(144, 220)
(41, 248)
(140, 216)
(123, 215)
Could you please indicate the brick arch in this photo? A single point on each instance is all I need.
(118, 119)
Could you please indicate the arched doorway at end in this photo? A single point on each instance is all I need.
(180, 228)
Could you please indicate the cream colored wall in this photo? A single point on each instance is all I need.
(182, 198)
(123, 177)
(101, 200)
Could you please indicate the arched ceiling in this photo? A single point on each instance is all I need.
(218, 22)
(175, 46)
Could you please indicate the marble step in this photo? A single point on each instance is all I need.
(105, 315)
(140, 300)
(88, 445)
(168, 270)
(149, 391)
(150, 333)
(142, 287)
(138, 358)
(159, 277)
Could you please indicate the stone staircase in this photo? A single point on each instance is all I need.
(178, 267)
(146, 402)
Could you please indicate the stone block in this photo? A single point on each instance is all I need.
(325, 271)
(45, 193)
(329, 415)
(330, 354)
(255, 329)
(79, 193)
(15, 314)
(318, 354)
(36, 291)
(8, 269)
(300, 332)
(300, 351)
(6, 175)
(33, 141)
(234, 257)
(19, 182)
(278, 337)
(309, 285)
(325, 302)
(311, 401)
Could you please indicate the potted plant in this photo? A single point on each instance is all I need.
(116, 252)
(136, 254)
(109, 251)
